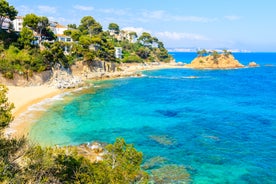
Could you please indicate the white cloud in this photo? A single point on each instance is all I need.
(162, 15)
(138, 30)
(193, 19)
(232, 17)
(84, 8)
(179, 36)
(113, 11)
(60, 20)
(158, 14)
(23, 10)
(47, 9)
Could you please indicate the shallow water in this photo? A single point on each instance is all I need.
(220, 125)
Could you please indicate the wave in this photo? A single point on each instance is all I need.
(175, 78)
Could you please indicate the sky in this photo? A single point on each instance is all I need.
(228, 24)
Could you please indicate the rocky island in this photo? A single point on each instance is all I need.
(214, 60)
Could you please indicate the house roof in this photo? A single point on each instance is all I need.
(60, 26)
(62, 35)
(19, 17)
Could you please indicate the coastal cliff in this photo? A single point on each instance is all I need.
(217, 61)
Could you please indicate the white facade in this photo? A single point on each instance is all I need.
(18, 23)
(118, 52)
(59, 29)
(6, 24)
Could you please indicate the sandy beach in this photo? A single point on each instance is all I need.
(22, 98)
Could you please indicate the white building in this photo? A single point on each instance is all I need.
(58, 30)
(118, 52)
(6, 25)
(18, 23)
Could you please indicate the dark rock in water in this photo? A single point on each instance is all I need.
(154, 162)
(168, 113)
(163, 139)
(170, 174)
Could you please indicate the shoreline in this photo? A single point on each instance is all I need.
(24, 97)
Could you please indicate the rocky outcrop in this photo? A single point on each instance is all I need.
(64, 79)
(93, 151)
(101, 70)
(93, 69)
(253, 64)
(221, 61)
(36, 79)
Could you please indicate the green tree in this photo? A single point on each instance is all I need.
(123, 163)
(143, 52)
(5, 108)
(54, 54)
(26, 38)
(72, 26)
(114, 27)
(90, 26)
(215, 56)
(31, 21)
(201, 53)
(226, 52)
(133, 36)
(85, 41)
(42, 24)
(145, 39)
(8, 147)
(73, 33)
(6, 12)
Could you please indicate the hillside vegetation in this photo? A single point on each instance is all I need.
(35, 48)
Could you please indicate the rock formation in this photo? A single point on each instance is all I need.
(36, 79)
(220, 61)
(253, 64)
(63, 79)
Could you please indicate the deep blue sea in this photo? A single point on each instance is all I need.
(219, 124)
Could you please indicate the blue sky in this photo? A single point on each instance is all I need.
(231, 24)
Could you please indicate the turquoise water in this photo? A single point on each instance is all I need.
(220, 125)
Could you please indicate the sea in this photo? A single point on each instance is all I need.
(211, 126)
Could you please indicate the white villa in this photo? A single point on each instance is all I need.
(58, 30)
(118, 52)
(18, 23)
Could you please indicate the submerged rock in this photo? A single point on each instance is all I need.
(154, 162)
(162, 139)
(170, 174)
